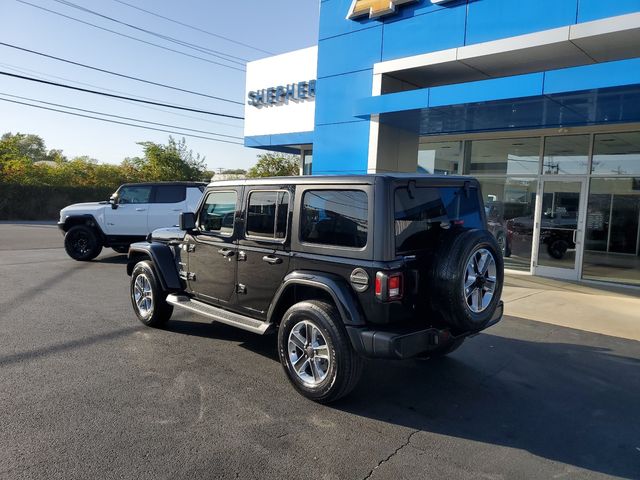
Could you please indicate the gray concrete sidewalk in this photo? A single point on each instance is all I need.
(613, 311)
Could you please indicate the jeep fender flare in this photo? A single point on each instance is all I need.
(335, 286)
(162, 257)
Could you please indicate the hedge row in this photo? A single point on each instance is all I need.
(30, 202)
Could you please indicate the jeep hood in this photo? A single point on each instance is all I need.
(168, 234)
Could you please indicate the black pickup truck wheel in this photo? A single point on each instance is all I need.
(316, 353)
(81, 243)
(147, 298)
(468, 274)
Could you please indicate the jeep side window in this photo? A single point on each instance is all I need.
(141, 194)
(218, 213)
(335, 217)
(423, 212)
(267, 214)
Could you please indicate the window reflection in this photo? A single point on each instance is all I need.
(612, 241)
(514, 156)
(440, 158)
(510, 205)
(616, 154)
(568, 155)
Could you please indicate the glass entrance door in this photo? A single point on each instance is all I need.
(559, 228)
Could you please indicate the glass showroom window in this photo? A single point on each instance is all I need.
(510, 206)
(513, 156)
(440, 158)
(566, 155)
(616, 154)
(612, 242)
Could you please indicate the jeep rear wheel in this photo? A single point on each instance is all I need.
(468, 274)
(81, 243)
(148, 299)
(316, 352)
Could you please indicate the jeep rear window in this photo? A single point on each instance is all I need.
(418, 211)
(335, 217)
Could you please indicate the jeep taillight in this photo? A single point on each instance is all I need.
(389, 286)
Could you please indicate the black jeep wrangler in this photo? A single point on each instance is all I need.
(393, 266)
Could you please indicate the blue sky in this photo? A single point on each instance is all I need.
(277, 26)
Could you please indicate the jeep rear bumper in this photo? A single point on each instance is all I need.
(395, 344)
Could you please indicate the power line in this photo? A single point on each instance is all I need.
(119, 74)
(120, 117)
(206, 50)
(105, 94)
(120, 123)
(194, 28)
(129, 36)
(148, 107)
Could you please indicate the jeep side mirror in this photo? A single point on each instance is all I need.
(187, 221)
(113, 200)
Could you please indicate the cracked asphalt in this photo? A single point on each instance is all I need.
(88, 392)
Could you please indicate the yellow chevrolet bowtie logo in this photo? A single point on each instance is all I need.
(374, 8)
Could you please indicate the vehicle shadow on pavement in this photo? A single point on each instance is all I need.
(570, 403)
(265, 346)
(115, 259)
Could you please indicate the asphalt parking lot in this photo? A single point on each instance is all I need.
(86, 391)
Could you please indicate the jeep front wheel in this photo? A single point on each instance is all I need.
(81, 243)
(316, 352)
(148, 299)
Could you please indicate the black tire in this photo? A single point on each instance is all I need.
(121, 249)
(156, 312)
(344, 366)
(82, 243)
(557, 248)
(449, 274)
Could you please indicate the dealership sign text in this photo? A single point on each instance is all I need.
(282, 94)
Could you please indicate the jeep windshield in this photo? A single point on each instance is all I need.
(420, 212)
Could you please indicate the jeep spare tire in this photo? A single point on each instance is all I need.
(466, 279)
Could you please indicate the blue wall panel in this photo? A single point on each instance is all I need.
(350, 53)
(438, 30)
(487, 90)
(494, 19)
(337, 96)
(341, 147)
(603, 75)
(594, 9)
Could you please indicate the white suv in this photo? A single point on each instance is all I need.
(129, 216)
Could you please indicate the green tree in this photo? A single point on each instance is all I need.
(25, 146)
(174, 161)
(275, 165)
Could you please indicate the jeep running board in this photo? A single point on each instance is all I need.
(218, 314)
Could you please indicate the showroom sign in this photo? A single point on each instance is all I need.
(282, 94)
(379, 8)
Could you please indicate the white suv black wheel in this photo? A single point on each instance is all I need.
(81, 243)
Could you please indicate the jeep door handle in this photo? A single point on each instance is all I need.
(176, 210)
(140, 209)
(272, 260)
(226, 252)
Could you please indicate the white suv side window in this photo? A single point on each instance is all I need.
(134, 195)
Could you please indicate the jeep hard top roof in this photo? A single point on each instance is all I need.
(368, 179)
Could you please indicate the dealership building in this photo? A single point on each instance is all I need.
(537, 99)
